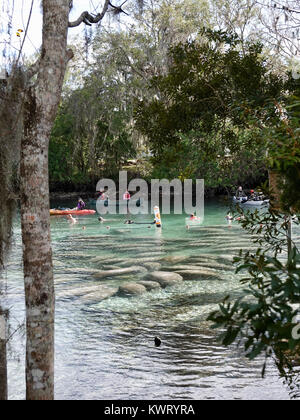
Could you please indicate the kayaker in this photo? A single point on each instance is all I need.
(240, 193)
(252, 195)
(80, 204)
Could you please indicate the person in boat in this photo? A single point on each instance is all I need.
(240, 193)
(253, 196)
(80, 204)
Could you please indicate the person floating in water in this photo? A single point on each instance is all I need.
(128, 222)
(229, 219)
(126, 196)
(80, 204)
(71, 219)
(193, 217)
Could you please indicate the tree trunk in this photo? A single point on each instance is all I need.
(3, 362)
(40, 108)
(274, 182)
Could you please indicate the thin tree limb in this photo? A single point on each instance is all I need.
(88, 19)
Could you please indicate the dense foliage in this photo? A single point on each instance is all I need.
(143, 63)
(196, 123)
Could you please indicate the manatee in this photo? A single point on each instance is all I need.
(99, 295)
(199, 274)
(110, 267)
(77, 291)
(154, 266)
(181, 267)
(119, 272)
(128, 262)
(131, 289)
(156, 254)
(216, 266)
(99, 290)
(165, 278)
(174, 258)
(108, 260)
(150, 285)
(80, 270)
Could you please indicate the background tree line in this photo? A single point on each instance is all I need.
(130, 95)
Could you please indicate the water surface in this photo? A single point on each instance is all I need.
(105, 348)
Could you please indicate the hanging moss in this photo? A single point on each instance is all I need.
(11, 94)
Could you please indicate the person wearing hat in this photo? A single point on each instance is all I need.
(252, 195)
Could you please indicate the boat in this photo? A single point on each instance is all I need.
(65, 212)
(245, 201)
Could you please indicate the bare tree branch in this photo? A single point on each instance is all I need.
(89, 19)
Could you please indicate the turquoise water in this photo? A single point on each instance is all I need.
(104, 344)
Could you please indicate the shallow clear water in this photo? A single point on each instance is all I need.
(105, 348)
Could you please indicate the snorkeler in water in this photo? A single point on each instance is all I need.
(129, 222)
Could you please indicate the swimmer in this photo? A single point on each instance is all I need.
(101, 220)
(71, 219)
(229, 218)
(128, 222)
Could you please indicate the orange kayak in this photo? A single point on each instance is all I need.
(54, 212)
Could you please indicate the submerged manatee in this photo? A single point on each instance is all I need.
(150, 285)
(131, 289)
(119, 272)
(165, 278)
(199, 274)
(99, 295)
